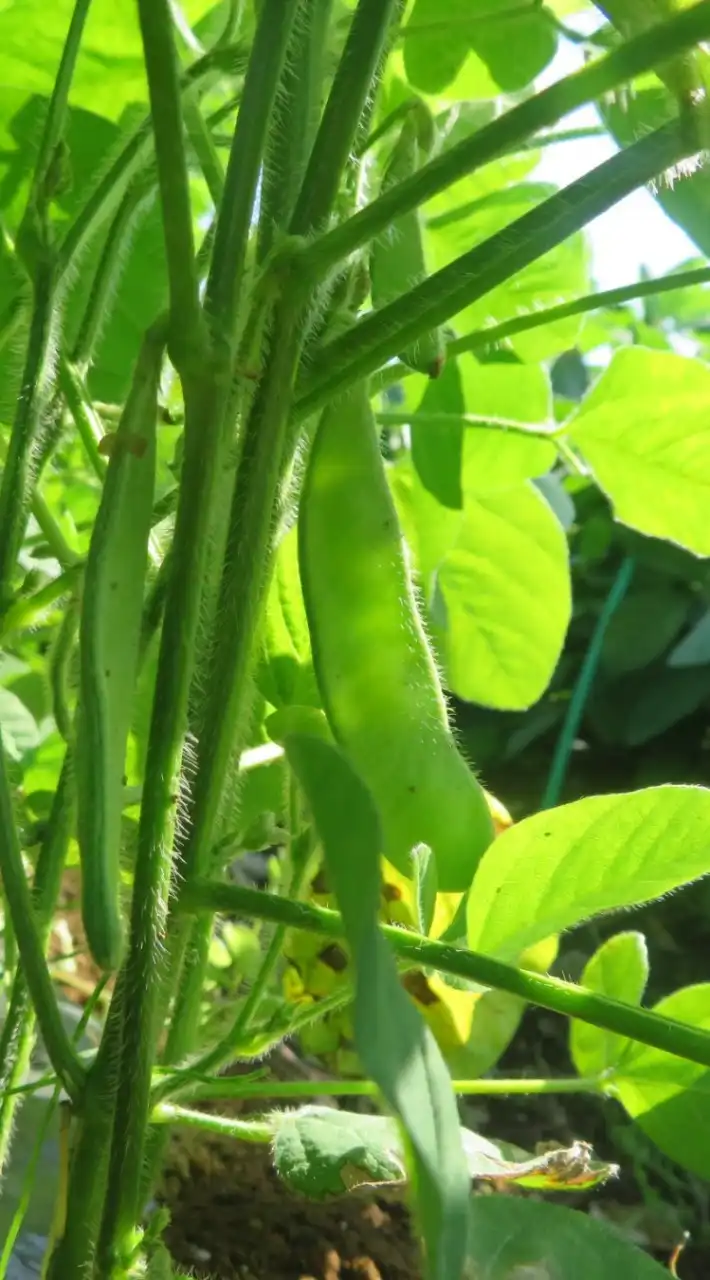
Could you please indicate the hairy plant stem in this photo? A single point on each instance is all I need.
(29, 935)
(137, 198)
(294, 122)
(34, 389)
(544, 109)
(364, 46)
(233, 1087)
(75, 1254)
(382, 334)
(572, 1001)
(18, 1031)
(245, 159)
(186, 330)
(205, 400)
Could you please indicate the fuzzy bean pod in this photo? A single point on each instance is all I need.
(378, 680)
(109, 638)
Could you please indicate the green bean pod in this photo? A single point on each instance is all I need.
(378, 680)
(109, 638)
(398, 260)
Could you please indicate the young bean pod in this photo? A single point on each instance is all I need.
(378, 681)
(109, 637)
(398, 260)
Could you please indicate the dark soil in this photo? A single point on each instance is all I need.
(232, 1217)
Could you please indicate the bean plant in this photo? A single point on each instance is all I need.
(281, 474)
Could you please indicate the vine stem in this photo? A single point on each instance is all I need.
(245, 159)
(666, 1034)
(363, 50)
(28, 933)
(543, 110)
(583, 685)
(233, 1087)
(186, 326)
(382, 334)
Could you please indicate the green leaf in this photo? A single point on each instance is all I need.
(323, 1152)
(636, 709)
(109, 72)
(430, 529)
(511, 1238)
(20, 733)
(396, 1048)
(644, 430)
(643, 626)
(285, 672)
(618, 968)
(495, 459)
(666, 1096)
(564, 865)
(492, 49)
(437, 447)
(504, 634)
(694, 649)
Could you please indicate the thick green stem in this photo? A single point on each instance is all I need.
(36, 377)
(56, 114)
(549, 993)
(583, 686)
(507, 132)
(364, 46)
(294, 121)
(245, 159)
(205, 402)
(186, 327)
(29, 934)
(74, 1256)
(244, 1130)
(384, 333)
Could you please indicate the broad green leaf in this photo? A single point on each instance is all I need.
(562, 866)
(109, 72)
(668, 1097)
(437, 445)
(643, 626)
(323, 1152)
(511, 1238)
(618, 968)
(396, 1048)
(504, 634)
(513, 45)
(430, 530)
(645, 432)
(495, 459)
(694, 649)
(506, 392)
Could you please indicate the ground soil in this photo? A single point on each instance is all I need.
(232, 1217)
